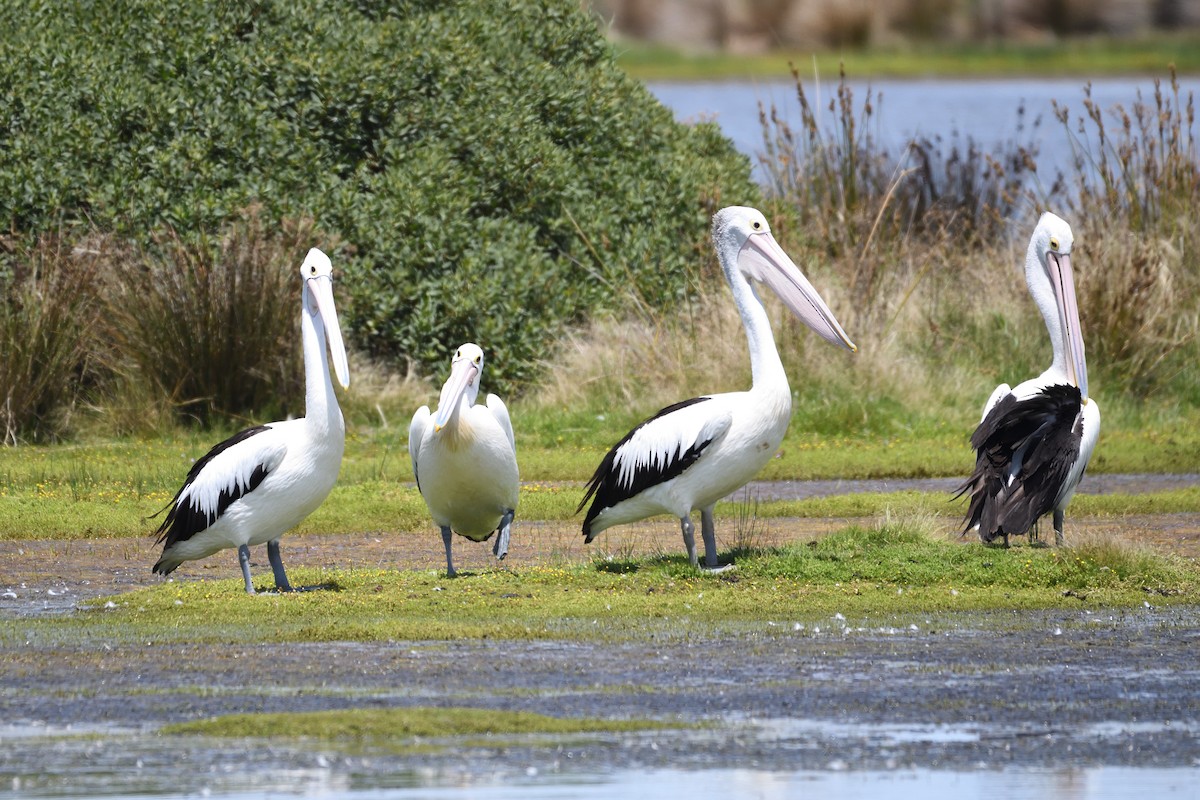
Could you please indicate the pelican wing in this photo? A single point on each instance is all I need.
(229, 471)
(1026, 451)
(998, 394)
(416, 435)
(657, 450)
(500, 412)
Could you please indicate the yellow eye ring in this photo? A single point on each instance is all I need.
(1053, 243)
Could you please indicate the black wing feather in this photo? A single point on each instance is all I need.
(1049, 427)
(607, 490)
(185, 520)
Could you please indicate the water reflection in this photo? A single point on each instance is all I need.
(1099, 783)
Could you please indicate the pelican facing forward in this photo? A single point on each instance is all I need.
(693, 453)
(465, 460)
(1034, 441)
(256, 485)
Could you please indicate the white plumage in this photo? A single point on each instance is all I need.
(464, 459)
(691, 454)
(253, 487)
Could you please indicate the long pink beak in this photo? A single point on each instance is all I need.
(1063, 280)
(321, 289)
(762, 258)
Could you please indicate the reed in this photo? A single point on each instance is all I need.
(49, 354)
(212, 323)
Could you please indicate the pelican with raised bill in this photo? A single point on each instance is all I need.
(260, 483)
(693, 453)
(464, 459)
(1034, 441)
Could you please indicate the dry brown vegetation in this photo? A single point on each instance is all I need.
(920, 254)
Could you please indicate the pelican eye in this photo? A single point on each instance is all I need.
(313, 269)
(477, 359)
(757, 225)
(1054, 243)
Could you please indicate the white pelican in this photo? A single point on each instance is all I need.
(691, 454)
(258, 484)
(465, 462)
(1034, 441)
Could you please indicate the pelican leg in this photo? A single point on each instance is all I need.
(500, 548)
(708, 531)
(689, 539)
(244, 560)
(1058, 527)
(281, 581)
(446, 535)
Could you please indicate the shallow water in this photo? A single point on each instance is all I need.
(92, 762)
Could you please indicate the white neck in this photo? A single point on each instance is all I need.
(766, 370)
(1043, 296)
(320, 403)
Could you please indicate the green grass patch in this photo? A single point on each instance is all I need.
(373, 724)
(1084, 57)
(392, 508)
(874, 573)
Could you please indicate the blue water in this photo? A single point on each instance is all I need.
(984, 109)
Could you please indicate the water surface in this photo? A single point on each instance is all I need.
(985, 110)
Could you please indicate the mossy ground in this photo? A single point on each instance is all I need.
(894, 568)
(378, 725)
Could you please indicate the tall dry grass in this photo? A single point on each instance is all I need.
(49, 351)
(209, 328)
(1136, 182)
(920, 255)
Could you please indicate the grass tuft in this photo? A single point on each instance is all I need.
(213, 323)
(49, 353)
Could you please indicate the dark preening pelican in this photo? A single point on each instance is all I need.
(465, 460)
(693, 453)
(260, 483)
(1034, 441)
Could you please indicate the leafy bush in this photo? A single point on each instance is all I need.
(48, 350)
(493, 174)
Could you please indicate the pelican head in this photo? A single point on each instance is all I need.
(466, 368)
(745, 245)
(1048, 265)
(317, 274)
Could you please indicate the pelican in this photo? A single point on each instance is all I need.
(258, 484)
(693, 453)
(1034, 441)
(465, 460)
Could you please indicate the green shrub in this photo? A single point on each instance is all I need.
(493, 174)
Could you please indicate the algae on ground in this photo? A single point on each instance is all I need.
(362, 724)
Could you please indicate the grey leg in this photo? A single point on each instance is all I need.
(709, 532)
(446, 535)
(1058, 526)
(244, 560)
(500, 548)
(281, 581)
(689, 539)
